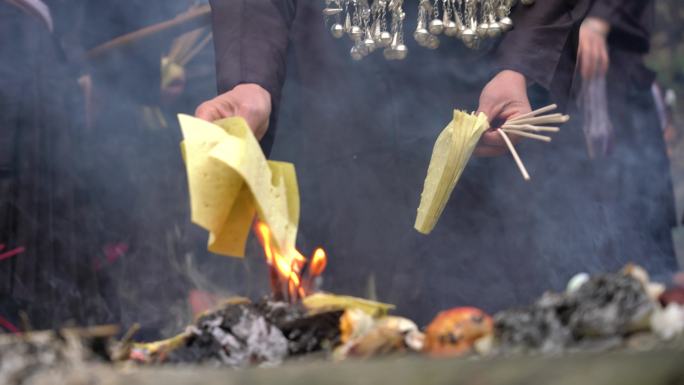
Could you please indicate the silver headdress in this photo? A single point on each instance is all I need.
(381, 24)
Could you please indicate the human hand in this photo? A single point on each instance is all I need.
(593, 49)
(249, 101)
(503, 98)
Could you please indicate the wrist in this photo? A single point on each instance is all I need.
(597, 25)
(513, 77)
(253, 88)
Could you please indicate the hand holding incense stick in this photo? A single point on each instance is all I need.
(455, 146)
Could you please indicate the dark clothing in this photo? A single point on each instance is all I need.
(85, 202)
(635, 179)
(40, 182)
(633, 184)
(252, 38)
(631, 23)
(361, 135)
(133, 169)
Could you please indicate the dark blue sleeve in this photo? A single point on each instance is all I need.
(541, 35)
(251, 39)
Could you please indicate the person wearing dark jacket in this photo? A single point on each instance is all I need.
(71, 193)
(633, 180)
(43, 264)
(361, 134)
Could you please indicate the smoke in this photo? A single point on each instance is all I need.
(360, 134)
(100, 205)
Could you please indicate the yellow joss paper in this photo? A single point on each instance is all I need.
(324, 301)
(230, 181)
(453, 148)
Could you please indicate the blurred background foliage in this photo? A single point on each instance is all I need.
(667, 55)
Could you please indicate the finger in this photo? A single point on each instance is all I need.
(584, 62)
(260, 129)
(591, 62)
(208, 111)
(600, 58)
(605, 60)
(599, 62)
(491, 110)
(489, 151)
(492, 138)
(515, 109)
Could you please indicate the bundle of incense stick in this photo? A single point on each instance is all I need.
(455, 145)
(533, 125)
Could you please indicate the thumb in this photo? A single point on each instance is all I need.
(492, 111)
(208, 111)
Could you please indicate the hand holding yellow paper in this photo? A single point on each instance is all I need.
(455, 146)
(453, 149)
(230, 181)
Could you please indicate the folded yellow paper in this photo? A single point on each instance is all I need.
(323, 301)
(453, 149)
(230, 181)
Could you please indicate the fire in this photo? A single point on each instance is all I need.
(318, 262)
(287, 266)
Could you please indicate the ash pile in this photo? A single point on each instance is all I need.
(242, 333)
(621, 310)
(53, 357)
(615, 311)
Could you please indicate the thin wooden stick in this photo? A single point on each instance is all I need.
(529, 127)
(516, 157)
(188, 21)
(541, 120)
(528, 135)
(180, 44)
(195, 50)
(518, 120)
(536, 112)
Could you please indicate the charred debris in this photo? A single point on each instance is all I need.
(615, 311)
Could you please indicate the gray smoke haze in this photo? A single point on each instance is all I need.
(102, 207)
(361, 149)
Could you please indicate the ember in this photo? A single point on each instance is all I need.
(7, 325)
(11, 253)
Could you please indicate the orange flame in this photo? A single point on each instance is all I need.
(290, 263)
(318, 262)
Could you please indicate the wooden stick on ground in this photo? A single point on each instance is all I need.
(515, 155)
